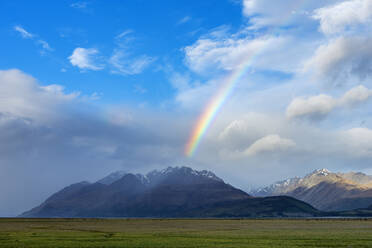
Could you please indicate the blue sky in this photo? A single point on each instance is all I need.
(158, 31)
(90, 87)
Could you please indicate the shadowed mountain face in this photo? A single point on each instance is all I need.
(173, 192)
(326, 190)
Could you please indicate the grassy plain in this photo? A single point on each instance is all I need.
(163, 233)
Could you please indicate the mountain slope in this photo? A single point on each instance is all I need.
(325, 190)
(257, 207)
(109, 179)
(173, 192)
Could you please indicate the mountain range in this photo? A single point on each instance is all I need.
(325, 190)
(172, 192)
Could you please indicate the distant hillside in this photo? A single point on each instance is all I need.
(361, 212)
(173, 192)
(325, 190)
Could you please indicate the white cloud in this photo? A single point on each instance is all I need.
(121, 61)
(314, 107)
(22, 96)
(347, 14)
(26, 35)
(342, 59)
(355, 95)
(317, 107)
(263, 13)
(85, 58)
(226, 52)
(125, 65)
(270, 144)
(346, 55)
(23, 32)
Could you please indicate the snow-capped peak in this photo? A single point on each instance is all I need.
(156, 176)
(112, 177)
(321, 172)
(210, 175)
(184, 170)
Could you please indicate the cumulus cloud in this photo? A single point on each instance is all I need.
(22, 96)
(345, 15)
(85, 58)
(319, 106)
(270, 144)
(341, 59)
(355, 95)
(347, 51)
(314, 107)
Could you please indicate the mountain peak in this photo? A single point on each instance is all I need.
(156, 176)
(112, 177)
(183, 171)
(325, 190)
(321, 172)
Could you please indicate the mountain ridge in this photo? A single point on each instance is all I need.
(325, 190)
(172, 192)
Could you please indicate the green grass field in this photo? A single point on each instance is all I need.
(55, 233)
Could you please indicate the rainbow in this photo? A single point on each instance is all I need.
(214, 105)
(216, 102)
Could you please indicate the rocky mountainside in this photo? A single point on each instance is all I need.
(172, 192)
(325, 190)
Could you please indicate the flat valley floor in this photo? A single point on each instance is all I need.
(174, 233)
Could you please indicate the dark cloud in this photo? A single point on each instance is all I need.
(45, 148)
